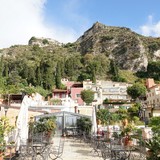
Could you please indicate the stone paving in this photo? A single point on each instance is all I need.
(74, 149)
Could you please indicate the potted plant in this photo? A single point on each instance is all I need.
(2, 147)
(153, 146)
(84, 124)
(5, 128)
(46, 125)
(127, 133)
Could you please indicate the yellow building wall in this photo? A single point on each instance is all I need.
(12, 114)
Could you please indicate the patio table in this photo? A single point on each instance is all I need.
(120, 152)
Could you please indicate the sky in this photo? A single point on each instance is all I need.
(66, 20)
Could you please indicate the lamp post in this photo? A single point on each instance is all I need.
(108, 131)
(144, 116)
(5, 110)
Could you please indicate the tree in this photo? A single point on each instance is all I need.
(93, 76)
(84, 124)
(58, 76)
(106, 101)
(153, 70)
(1, 66)
(134, 110)
(6, 70)
(31, 40)
(38, 76)
(73, 66)
(104, 116)
(136, 90)
(87, 96)
(123, 114)
(5, 128)
(133, 113)
(154, 123)
(114, 71)
(47, 74)
(153, 144)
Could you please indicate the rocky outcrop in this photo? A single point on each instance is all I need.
(129, 50)
(43, 42)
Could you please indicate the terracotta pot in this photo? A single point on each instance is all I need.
(149, 153)
(98, 122)
(48, 134)
(128, 142)
(125, 122)
(1, 155)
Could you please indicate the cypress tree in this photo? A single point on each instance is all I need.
(58, 76)
(6, 70)
(1, 66)
(93, 76)
(114, 71)
(38, 76)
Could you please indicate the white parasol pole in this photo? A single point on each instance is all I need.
(94, 121)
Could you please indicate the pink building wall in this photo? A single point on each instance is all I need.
(74, 92)
(69, 84)
(150, 83)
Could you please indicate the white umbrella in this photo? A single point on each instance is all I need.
(22, 122)
(94, 121)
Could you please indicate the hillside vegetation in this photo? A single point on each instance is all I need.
(102, 52)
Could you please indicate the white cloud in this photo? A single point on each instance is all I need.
(73, 11)
(151, 28)
(22, 19)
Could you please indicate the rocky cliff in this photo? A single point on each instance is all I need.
(129, 50)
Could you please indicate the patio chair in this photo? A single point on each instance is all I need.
(25, 152)
(105, 150)
(57, 151)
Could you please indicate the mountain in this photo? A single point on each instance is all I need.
(130, 51)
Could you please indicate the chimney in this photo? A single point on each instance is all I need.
(75, 109)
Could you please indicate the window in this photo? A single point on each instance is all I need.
(78, 95)
(114, 89)
(57, 95)
(63, 95)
